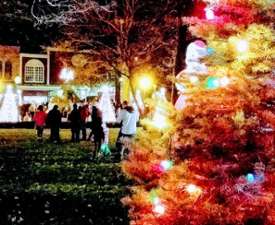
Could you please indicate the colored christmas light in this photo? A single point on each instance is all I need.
(212, 83)
(250, 178)
(153, 197)
(210, 51)
(166, 164)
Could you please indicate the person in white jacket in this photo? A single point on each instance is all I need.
(128, 118)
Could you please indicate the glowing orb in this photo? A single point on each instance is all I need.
(166, 164)
(17, 80)
(212, 83)
(194, 79)
(250, 178)
(192, 189)
(66, 74)
(159, 209)
(209, 13)
(242, 46)
(224, 81)
(145, 82)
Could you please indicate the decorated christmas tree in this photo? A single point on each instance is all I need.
(215, 163)
(9, 111)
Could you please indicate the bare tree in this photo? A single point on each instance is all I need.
(125, 34)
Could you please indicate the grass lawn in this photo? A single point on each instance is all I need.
(58, 184)
(28, 136)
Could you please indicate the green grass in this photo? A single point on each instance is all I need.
(27, 138)
(63, 175)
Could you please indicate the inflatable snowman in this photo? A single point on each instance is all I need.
(194, 67)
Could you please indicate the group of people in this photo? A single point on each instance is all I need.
(127, 117)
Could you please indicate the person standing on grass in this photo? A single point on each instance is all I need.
(75, 119)
(84, 113)
(120, 111)
(128, 118)
(97, 129)
(40, 121)
(54, 122)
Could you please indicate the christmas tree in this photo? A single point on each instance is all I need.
(215, 164)
(9, 109)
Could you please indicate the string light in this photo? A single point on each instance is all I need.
(159, 209)
(242, 46)
(166, 164)
(192, 189)
(209, 13)
(212, 82)
(250, 178)
(224, 81)
(67, 74)
(194, 79)
(145, 82)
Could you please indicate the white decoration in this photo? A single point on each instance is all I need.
(106, 106)
(9, 109)
(194, 67)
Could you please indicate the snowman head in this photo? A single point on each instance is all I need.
(195, 51)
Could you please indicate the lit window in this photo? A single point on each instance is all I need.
(34, 71)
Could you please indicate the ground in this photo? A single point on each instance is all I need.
(58, 184)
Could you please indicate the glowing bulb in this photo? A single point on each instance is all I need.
(17, 79)
(67, 74)
(250, 178)
(159, 121)
(224, 81)
(166, 164)
(194, 79)
(193, 189)
(212, 83)
(145, 82)
(159, 209)
(242, 46)
(209, 14)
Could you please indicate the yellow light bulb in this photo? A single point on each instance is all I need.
(145, 82)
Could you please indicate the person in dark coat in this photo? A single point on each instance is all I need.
(54, 122)
(97, 129)
(84, 113)
(75, 119)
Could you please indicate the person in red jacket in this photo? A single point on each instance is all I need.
(40, 121)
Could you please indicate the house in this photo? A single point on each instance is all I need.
(38, 78)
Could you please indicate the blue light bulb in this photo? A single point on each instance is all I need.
(212, 83)
(210, 51)
(250, 178)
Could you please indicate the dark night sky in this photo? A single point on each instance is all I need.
(17, 27)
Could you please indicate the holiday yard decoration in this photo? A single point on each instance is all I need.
(215, 164)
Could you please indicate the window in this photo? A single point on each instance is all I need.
(34, 71)
(8, 70)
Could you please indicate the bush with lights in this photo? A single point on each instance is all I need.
(215, 163)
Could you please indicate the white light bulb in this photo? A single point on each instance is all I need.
(193, 189)
(242, 46)
(209, 13)
(224, 81)
(193, 79)
(159, 209)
